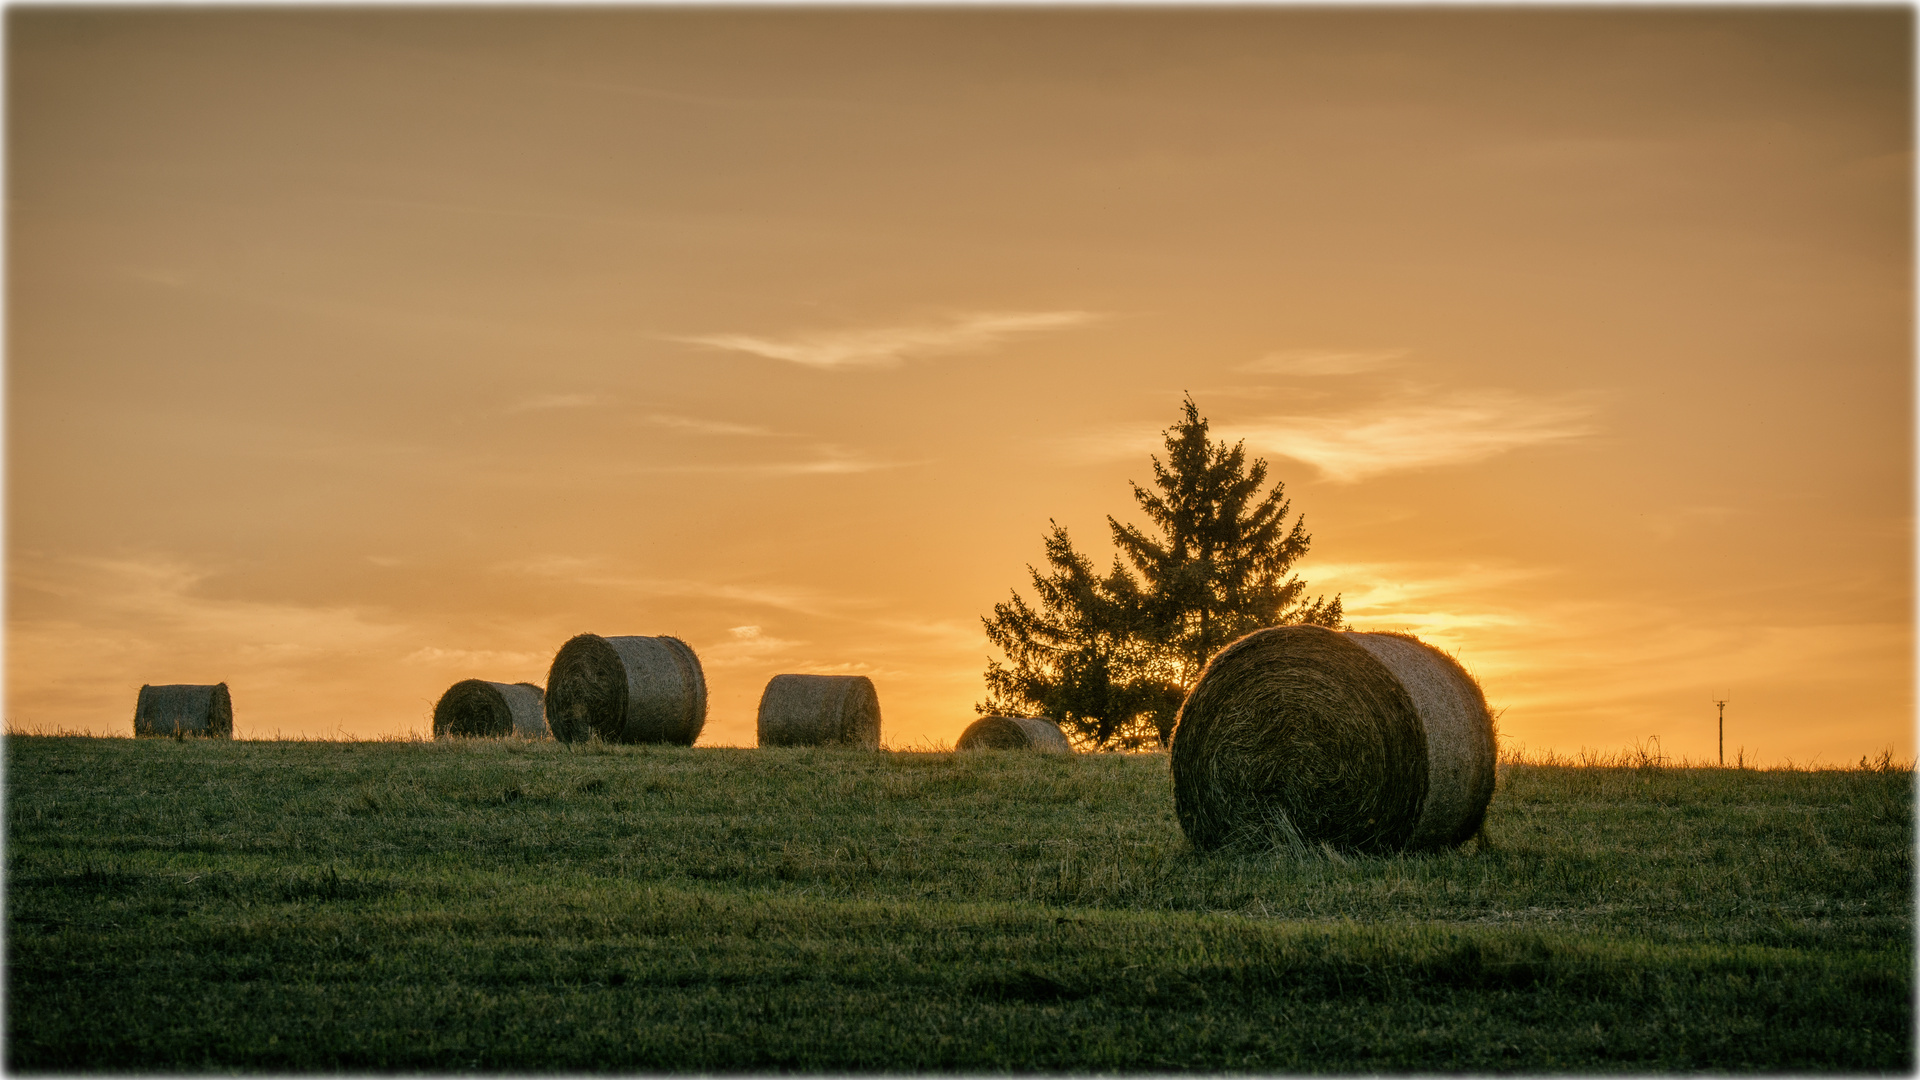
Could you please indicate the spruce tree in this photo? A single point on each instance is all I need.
(1078, 656)
(1111, 657)
(1221, 564)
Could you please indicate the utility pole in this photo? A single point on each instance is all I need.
(1722, 702)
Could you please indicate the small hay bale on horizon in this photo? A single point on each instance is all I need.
(820, 710)
(181, 709)
(626, 690)
(1300, 735)
(1014, 733)
(477, 709)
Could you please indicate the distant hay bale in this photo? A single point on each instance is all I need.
(1301, 735)
(820, 710)
(626, 690)
(1014, 733)
(476, 709)
(184, 709)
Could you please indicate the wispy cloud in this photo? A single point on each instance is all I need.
(475, 659)
(1407, 432)
(1438, 601)
(84, 633)
(1321, 362)
(890, 346)
(707, 427)
(597, 573)
(826, 461)
(162, 592)
(956, 634)
(745, 646)
(1135, 440)
(1411, 434)
(556, 401)
(845, 667)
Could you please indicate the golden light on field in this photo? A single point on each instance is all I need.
(353, 353)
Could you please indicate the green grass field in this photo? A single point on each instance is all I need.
(248, 906)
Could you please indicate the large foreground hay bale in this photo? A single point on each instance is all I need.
(1014, 733)
(1301, 735)
(626, 690)
(820, 710)
(490, 710)
(184, 709)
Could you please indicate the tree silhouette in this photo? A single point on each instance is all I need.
(1078, 657)
(1111, 657)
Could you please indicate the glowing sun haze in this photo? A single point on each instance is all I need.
(356, 352)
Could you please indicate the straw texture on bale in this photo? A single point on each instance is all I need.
(626, 690)
(477, 709)
(1301, 735)
(1460, 741)
(184, 709)
(820, 710)
(1014, 733)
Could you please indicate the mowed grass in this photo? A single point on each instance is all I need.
(188, 906)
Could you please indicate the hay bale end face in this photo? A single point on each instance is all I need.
(1461, 749)
(1014, 733)
(626, 690)
(476, 709)
(184, 709)
(1300, 735)
(820, 710)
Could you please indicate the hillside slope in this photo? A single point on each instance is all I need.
(510, 907)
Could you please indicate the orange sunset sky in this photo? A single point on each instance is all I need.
(355, 352)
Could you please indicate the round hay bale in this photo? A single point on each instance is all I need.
(476, 709)
(184, 709)
(820, 710)
(1301, 735)
(626, 690)
(1014, 733)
